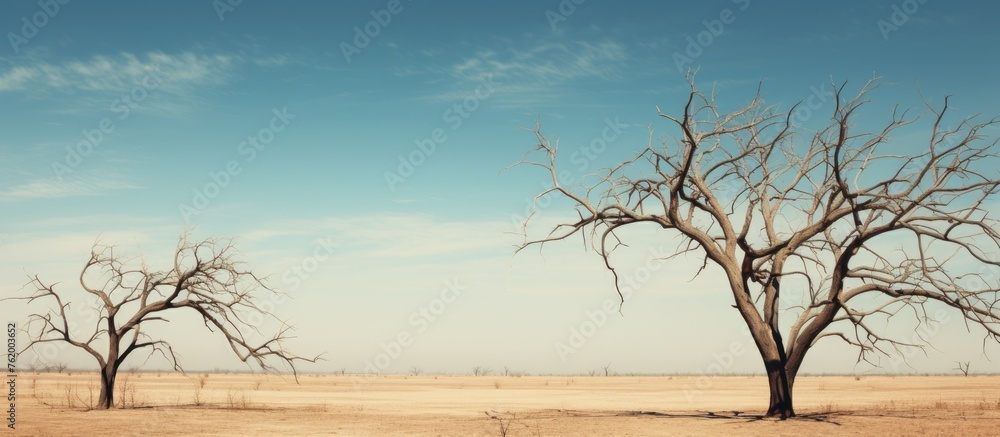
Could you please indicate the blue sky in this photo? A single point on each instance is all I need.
(178, 87)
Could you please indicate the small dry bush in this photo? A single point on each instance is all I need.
(238, 400)
(127, 394)
(502, 421)
(505, 420)
(76, 397)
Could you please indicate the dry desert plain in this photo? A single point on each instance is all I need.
(346, 405)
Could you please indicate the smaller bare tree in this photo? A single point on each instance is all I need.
(480, 371)
(206, 279)
(963, 367)
(415, 371)
(607, 370)
(502, 422)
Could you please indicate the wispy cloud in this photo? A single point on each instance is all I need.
(533, 72)
(553, 62)
(271, 61)
(120, 73)
(52, 188)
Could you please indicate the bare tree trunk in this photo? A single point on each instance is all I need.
(780, 382)
(781, 368)
(107, 398)
(110, 369)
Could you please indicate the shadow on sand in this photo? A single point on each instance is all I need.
(826, 417)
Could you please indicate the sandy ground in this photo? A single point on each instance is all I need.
(346, 405)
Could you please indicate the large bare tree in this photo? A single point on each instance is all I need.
(206, 279)
(822, 233)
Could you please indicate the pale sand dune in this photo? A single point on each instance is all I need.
(544, 406)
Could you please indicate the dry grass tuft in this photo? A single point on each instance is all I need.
(238, 400)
